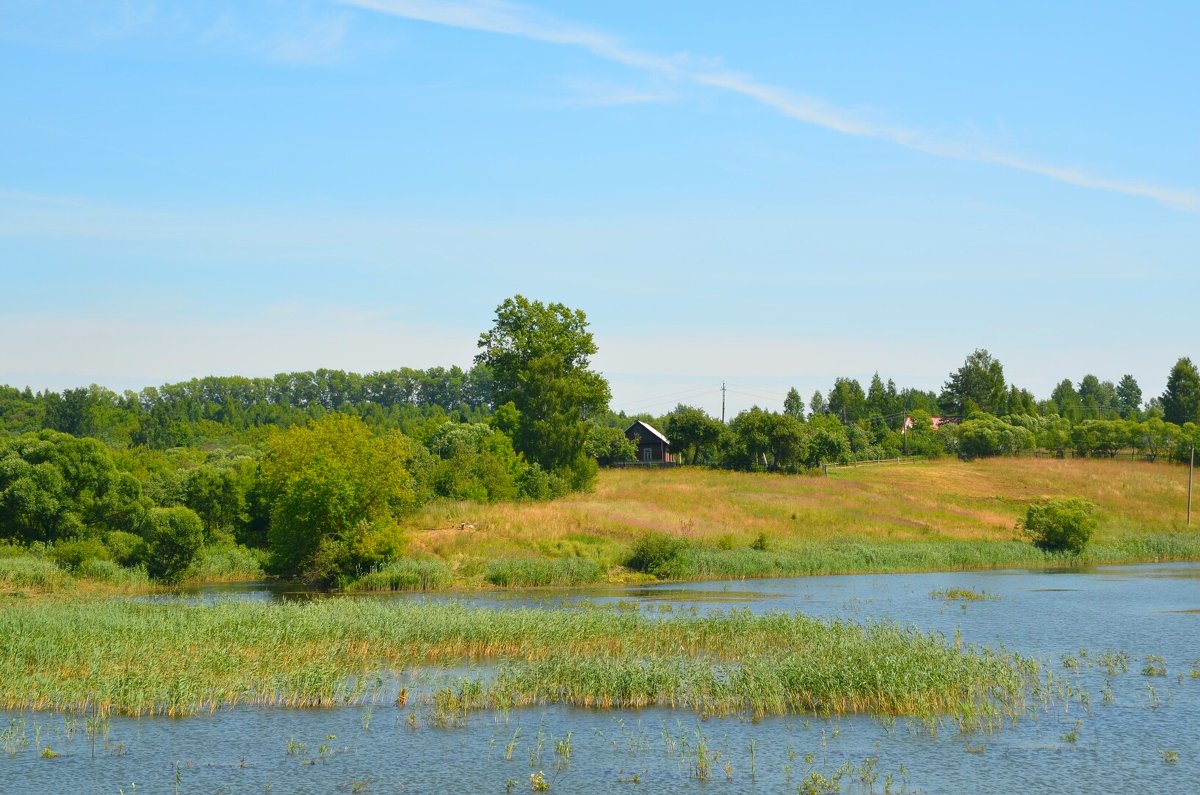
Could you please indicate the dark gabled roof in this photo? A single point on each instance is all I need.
(650, 428)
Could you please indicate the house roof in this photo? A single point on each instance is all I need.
(650, 428)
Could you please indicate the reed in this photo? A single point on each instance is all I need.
(535, 572)
(151, 659)
(405, 574)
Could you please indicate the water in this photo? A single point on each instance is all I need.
(1069, 620)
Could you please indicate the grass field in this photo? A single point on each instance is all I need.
(925, 516)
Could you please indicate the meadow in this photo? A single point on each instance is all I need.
(928, 516)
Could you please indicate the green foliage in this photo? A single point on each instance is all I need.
(538, 484)
(72, 554)
(609, 445)
(979, 383)
(126, 549)
(175, 535)
(1060, 525)
(538, 356)
(984, 435)
(323, 482)
(54, 486)
(691, 429)
(475, 462)
(1181, 400)
(657, 553)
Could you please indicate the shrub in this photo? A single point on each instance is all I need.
(72, 554)
(127, 549)
(655, 553)
(176, 535)
(1060, 525)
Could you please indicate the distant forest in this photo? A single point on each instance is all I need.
(311, 474)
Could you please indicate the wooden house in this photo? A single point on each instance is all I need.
(652, 446)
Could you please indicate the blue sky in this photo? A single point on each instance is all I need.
(771, 197)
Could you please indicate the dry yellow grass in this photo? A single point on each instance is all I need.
(939, 501)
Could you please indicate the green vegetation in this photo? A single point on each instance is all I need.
(332, 477)
(961, 595)
(533, 572)
(1061, 525)
(137, 659)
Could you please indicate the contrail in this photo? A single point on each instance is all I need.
(512, 20)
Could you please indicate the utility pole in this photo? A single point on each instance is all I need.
(723, 404)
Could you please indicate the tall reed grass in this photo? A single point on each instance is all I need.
(535, 572)
(146, 659)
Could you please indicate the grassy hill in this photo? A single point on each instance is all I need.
(922, 516)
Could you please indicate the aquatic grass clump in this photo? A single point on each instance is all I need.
(147, 659)
(405, 574)
(534, 572)
(31, 573)
(226, 563)
(962, 595)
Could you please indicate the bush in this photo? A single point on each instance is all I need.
(127, 549)
(655, 553)
(72, 554)
(1060, 525)
(176, 535)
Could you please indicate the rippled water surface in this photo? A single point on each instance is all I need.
(1131, 731)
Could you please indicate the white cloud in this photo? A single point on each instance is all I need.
(513, 20)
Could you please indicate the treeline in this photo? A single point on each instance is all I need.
(311, 475)
(307, 474)
(976, 414)
(231, 407)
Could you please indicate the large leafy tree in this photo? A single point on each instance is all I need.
(847, 401)
(538, 356)
(1129, 397)
(690, 428)
(979, 383)
(1181, 401)
(54, 486)
(329, 484)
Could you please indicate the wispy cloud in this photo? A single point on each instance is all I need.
(597, 93)
(310, 41)
(493, 16)
(300, 38)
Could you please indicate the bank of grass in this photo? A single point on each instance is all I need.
(940, 515)
(30, 575)
(153, 659)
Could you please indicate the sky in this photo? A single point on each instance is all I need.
(765, 195)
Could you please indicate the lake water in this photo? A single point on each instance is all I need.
(1132, 731)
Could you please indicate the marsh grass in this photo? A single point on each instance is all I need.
(98, 657)
(405, 574)
(536, 572)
